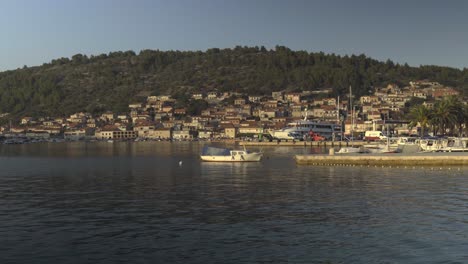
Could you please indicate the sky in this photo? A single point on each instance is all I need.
(406, 31)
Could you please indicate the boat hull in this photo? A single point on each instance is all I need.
(250, 157)
(346, 150)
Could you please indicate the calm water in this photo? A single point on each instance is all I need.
(133, 203)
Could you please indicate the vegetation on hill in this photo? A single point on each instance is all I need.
(111, 81)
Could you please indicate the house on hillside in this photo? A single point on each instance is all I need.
(293, 97)
(108, 116)
(255, 98)
(239, 101)
(329, 101)
(279, 96)
(198, 96)
(212, 95)
(27, 120)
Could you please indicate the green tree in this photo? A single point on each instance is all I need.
(444, 116)
(420, 115)
(195, 107)
(66, 85)
(459, 111)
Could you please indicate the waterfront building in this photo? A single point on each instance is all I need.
(143, 127)
(75, 134)
(229, 130)
(182, 134)
(160, 133)
(113, 132)
(37, 135)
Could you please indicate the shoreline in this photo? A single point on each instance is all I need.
(16, 141)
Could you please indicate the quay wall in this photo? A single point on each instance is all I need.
(383, 160)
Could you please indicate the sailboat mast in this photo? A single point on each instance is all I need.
(352, 111)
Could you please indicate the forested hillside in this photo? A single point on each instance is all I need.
(111, 81)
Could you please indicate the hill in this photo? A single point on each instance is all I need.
(111, 81)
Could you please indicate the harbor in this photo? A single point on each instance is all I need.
(165, 194)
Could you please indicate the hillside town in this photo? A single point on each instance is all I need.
(237, 116)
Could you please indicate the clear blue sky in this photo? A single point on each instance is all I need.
(416, 32)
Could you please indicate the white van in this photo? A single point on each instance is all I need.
(374, 135)
(295, 136)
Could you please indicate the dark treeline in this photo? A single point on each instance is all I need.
(111, 81)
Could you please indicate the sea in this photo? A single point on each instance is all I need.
(156, 202)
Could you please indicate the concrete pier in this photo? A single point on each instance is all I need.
(419, 159)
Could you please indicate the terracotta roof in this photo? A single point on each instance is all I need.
(141, 122)
(109, 128)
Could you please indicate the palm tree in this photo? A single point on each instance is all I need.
(420, 114)
(463, 120)
(460, 112)
(445, 115)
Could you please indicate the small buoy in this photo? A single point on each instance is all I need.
(180, 163)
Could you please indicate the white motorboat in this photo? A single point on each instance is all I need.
(454, 145)
(432, 145)
(348, 150)
(382, 148)
(228, 155)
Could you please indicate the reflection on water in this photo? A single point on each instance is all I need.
(228, 168)
(133, 203)
(87, 149)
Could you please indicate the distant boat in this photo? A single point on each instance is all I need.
(228, 155)
(297, 129)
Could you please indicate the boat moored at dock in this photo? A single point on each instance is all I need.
(296, 130)
(451, 144)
